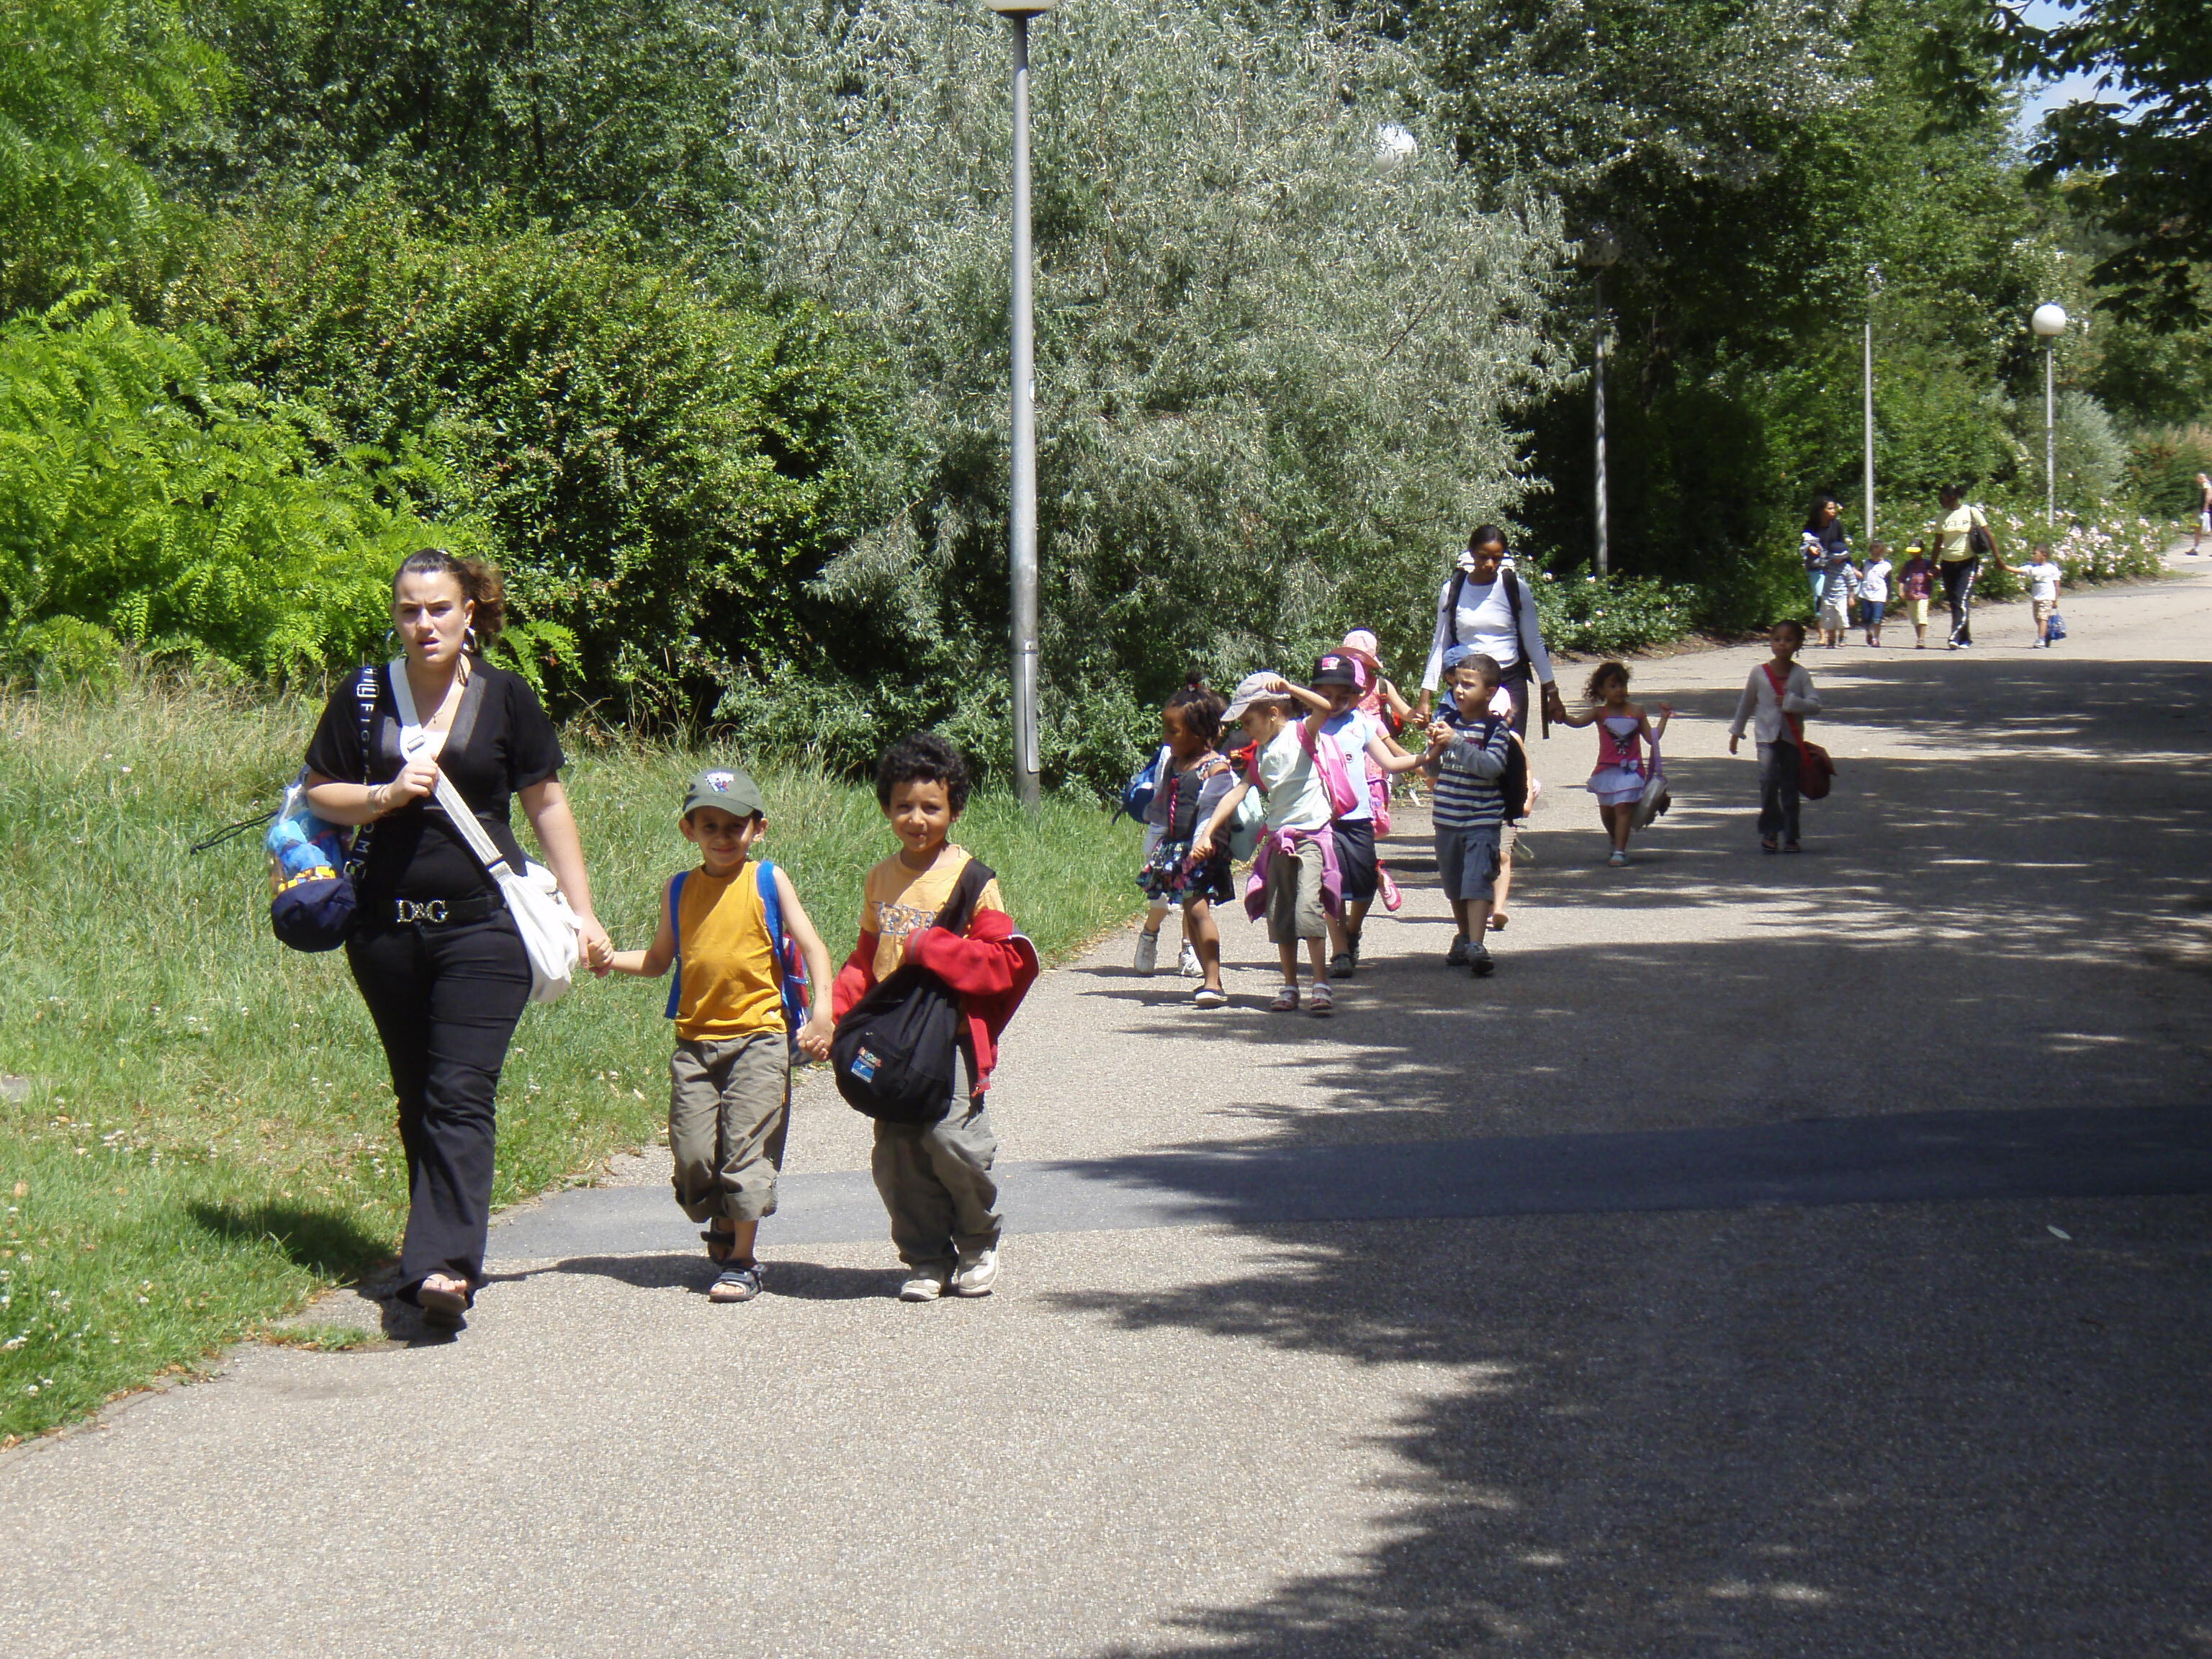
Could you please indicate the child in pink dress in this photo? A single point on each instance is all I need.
(1623, 767)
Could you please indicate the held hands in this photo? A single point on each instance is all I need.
(599, 949)
(814, 1036)
(1554, 706)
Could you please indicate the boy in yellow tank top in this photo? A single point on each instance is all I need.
(730, 1080)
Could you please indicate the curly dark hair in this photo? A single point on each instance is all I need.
(1793, 626)
(480, 584)
(923, 757)
(1202, 707)
(1594, 690)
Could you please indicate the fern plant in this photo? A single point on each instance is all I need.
(177, 514)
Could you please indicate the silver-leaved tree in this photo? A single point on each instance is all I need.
(1279, 345)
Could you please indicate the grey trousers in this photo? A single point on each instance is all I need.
(728, 1113)
(935, 1182)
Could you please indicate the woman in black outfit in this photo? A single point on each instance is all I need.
(437, 956)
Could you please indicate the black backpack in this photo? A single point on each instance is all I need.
(896, 1053)
(1459, 584)
(1513, 781)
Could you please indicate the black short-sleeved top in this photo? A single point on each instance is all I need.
(500, 741)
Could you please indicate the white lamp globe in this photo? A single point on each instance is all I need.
(2049, 321)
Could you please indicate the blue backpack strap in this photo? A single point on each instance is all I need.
(788, 976)
(675, 931)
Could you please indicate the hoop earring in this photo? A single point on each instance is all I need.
(469, 639)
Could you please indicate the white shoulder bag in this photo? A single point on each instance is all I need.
(548, 927)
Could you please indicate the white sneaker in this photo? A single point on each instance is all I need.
(926, 1285)
(1148, 953)
(977, 1273)
(1188, 965)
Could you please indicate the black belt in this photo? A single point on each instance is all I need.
(441, 912)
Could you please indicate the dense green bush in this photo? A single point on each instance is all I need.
(147, 503)
(2163, 466)
(660, 469)
(1608, 616)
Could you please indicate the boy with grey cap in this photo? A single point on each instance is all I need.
(730, 926)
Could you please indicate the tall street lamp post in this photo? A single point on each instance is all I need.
(1874, 287)
(1028, 787)
(1599, 252)
(2049, 323)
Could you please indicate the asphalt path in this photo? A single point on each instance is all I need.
(1778, 1255)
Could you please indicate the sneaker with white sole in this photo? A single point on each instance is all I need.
(1148, 953)
(977, 1273)
(1189, 964)
(1206, 997)
(926, 1285)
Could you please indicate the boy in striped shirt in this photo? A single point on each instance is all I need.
(1469, 748)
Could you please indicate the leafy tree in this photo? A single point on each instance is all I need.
(568, 109)
(82, 84)
(1275, 355)
(146, 501)
(2142, 159)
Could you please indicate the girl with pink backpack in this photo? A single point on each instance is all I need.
(1296, 882)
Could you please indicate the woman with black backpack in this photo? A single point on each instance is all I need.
(1485, 606)
(437, 957)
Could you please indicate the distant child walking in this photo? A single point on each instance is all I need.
(1838, 582)
(1915, 585)
(728, 927)
(1469, 751)
(1367, 749)
(1296, 882)
(1874, 590)
(1623, 767)
(1195, 779)
(935, 1178)
(1775, 700)
(2044, 577)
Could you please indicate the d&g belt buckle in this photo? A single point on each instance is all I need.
(410, 911)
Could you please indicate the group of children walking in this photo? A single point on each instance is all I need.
(1305, 796)
(1839, 584)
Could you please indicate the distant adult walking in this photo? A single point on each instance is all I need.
(1485, 606)
(1961, 540)
(1824, 547)
(434, 952)
(2203, 512)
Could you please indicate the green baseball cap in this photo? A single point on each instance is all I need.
(733, 791)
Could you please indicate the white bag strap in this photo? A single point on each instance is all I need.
(412, 741)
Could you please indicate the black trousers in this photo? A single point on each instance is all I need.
(444, 1000)
(1778, 790)
(1958, 594)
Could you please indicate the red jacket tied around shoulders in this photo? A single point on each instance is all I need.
(990, 967)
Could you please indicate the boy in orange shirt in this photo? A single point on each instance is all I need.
(730, 1081)
(935, 1178)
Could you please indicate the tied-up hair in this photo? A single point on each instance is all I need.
(479, 581)
(1201, 707)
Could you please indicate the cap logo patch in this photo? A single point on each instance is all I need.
(719, 782)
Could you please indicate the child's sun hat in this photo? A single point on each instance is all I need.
(1252, 689)
(730, 790)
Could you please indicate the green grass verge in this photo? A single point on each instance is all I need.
(207, 1135)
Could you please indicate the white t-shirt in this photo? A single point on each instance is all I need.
(1874, 581)
(1295, 797)
(2043, 579)
(1352, 730)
